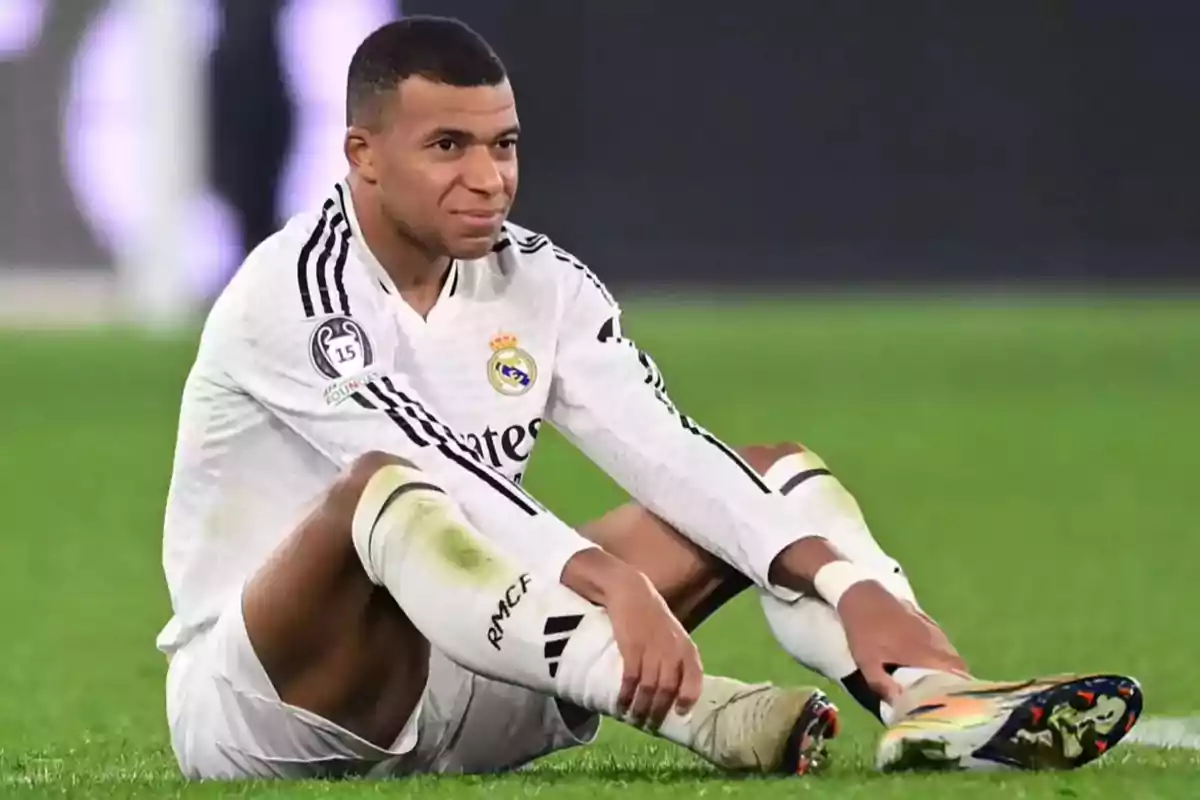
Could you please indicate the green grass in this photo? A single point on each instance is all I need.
(1032, 463)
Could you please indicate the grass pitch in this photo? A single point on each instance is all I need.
(1032, 463)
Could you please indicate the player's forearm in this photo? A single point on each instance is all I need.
(702, 490)
(597, 576)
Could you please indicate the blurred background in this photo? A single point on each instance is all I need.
(149, 143)
(954, 247)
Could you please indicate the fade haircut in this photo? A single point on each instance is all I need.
(439, 49)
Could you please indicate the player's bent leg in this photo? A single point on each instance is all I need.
(316, 672)
(513, 624)
(943, 720)
(808, 628)
(1056, 722)
(696, 583)
(292, 683)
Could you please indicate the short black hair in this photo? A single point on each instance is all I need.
(439, 49)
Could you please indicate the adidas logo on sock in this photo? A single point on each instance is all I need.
(558, 632)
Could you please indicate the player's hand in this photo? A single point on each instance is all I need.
(884, 631)
(662, 665)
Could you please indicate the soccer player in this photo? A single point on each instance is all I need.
(360, 585)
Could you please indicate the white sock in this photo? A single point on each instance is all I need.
(489, 614)
(809, 629)
(907, 676)
(804, 480)
(589, 675)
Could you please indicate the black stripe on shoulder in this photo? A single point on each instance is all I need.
(536, 242)
(534, 245)
(331, 238)
(305, 254)
(339, 266)
(341, 199)
(526, 240)
(588, 275)
(528, 243)
(339, 269)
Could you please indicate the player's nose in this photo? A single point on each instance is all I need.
(482, 174)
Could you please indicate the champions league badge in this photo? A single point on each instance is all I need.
(510, 370)
(339, 347)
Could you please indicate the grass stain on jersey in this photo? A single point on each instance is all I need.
(457, 550)
(460, 549)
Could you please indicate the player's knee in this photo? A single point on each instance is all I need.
(363, 468)
(763, 456)
(343, 496)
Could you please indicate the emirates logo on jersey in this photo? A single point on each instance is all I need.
(339, 347)
(507, 446)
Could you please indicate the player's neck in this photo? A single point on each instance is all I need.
(418, 278)
(417, 273)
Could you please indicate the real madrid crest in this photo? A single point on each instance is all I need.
(510, 370)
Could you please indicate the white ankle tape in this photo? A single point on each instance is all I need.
(835, 578)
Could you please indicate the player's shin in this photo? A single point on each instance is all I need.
(808, 628)
(504, 620)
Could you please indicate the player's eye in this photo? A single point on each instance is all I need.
(507, 144)
(446, 145)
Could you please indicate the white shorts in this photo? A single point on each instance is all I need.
(227, 721)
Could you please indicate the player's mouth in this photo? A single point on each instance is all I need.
(483, 220)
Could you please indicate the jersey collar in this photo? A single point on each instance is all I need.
(378, 273)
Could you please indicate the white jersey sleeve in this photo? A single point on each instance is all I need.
(610, 400)
(325, 378)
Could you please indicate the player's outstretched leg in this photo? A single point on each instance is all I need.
(505, 620)
(942, 720)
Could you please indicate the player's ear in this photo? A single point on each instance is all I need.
(360, 155)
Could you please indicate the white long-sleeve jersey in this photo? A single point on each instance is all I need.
(311, 358)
